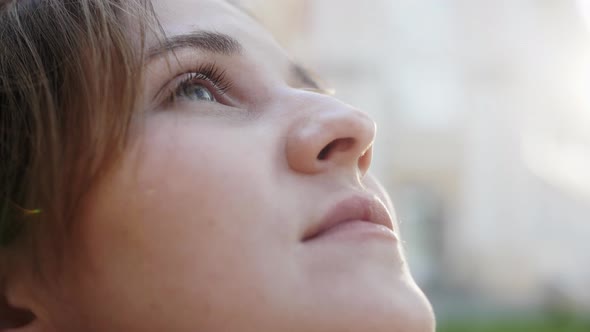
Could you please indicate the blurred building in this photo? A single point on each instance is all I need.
(484, 133)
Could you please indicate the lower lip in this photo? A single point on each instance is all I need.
(355, 230)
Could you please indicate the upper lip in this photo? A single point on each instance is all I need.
(353, 208)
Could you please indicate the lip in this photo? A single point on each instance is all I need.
(366, 214)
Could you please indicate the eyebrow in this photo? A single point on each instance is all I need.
(214, 42)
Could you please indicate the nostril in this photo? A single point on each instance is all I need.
(341, 144)
(14, 318)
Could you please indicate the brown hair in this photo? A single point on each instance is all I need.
(69, 84)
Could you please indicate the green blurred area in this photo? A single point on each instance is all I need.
(460, 311)
(554, 324)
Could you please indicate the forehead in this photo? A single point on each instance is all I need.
(179, 17)
(184, 19)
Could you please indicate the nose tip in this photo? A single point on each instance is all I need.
(328, 139)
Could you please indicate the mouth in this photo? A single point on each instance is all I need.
(355, 216)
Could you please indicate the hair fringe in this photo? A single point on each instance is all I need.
(70, 75)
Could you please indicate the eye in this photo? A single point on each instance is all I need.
(194, 92)
(207, 83)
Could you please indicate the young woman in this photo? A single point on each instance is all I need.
(166, 167)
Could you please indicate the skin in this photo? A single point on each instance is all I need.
(200, 225)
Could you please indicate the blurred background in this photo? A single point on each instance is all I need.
(483, 110)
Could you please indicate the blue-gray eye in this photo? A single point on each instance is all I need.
(195, 91)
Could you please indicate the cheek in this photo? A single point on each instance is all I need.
(197, 172)
(182, 217)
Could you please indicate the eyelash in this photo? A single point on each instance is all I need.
(209, 73)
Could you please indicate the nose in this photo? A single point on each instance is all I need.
(330, 135)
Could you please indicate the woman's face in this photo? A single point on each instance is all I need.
(213, 219)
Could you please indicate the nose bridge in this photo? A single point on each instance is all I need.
(327, 134)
